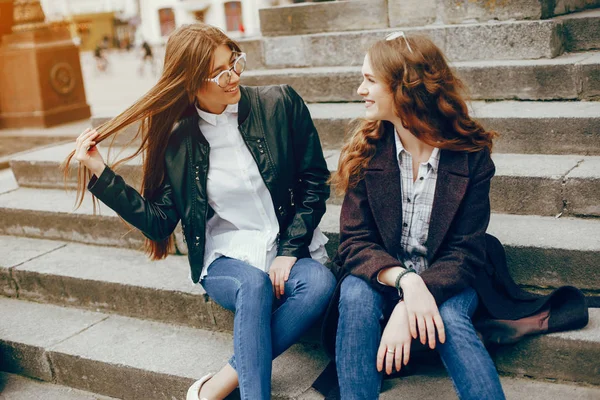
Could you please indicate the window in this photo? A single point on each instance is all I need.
(166, 17)
(233, 16)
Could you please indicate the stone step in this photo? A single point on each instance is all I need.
(14, 142)
(493, 40)
(567, 184)
(467, 42)
(543, 252)
(7, 181)
(582, 30)
(15, 387)
(325, 17)
(42, 168)
(568, 77)
(133, 359)
(126, 282)
(530, 127)
(368, 14)
(533, 184)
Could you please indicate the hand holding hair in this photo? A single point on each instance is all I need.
(86, 151)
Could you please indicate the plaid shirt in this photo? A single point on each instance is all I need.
(417, 202)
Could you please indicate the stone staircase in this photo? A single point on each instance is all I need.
(84, 308)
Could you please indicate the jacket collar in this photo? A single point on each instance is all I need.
(243, 109)
(211, 118)
(190, 116)
(243, 105)
(384, 186)
(386, 159)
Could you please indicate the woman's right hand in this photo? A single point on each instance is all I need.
(422, 310)
(86, 152)
(394, 348)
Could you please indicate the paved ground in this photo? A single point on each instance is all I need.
(14, 387)
(114, 90)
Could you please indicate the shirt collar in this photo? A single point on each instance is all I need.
(434, 158)
(212, 118)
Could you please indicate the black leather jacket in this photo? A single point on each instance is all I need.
(278, 130)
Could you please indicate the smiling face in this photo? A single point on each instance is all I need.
(212, 98)
(379, 102)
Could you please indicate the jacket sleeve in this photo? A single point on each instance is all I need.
(463, 251)
(311, 190)
(361, 251)
(155, 218)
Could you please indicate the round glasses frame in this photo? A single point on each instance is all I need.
(239, 66)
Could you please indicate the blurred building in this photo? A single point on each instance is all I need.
(127, 22)
(91, 21)
(237, 18)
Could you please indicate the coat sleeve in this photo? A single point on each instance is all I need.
(156, 218)
(463, 252)
(361, 251)
(311, 190)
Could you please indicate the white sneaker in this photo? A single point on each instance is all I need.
(194, 390)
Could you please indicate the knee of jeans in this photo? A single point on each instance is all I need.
(321, 282)
(357, 297)
(256, 283)
(454, 317)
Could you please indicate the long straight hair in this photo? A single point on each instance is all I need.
(427, 99)
(187, 65)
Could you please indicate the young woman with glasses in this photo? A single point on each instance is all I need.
(242, 168)
(414, 257)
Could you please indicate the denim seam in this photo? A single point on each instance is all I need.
(229, 278)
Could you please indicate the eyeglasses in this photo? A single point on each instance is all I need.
(239, 65)
(396, 35)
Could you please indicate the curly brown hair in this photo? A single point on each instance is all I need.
(427, 99)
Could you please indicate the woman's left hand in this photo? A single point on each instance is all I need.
(280, 272)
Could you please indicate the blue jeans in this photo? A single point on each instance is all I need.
(261, 333)
(359, 333)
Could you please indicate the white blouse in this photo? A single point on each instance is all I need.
(244, 225)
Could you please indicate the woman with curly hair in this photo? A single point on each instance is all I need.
(413, 251)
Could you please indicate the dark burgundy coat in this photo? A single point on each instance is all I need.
(460, 253)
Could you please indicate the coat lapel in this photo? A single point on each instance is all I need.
(382, 178)
(451, 186)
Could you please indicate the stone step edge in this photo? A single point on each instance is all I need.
(523, 80)
(573, 58)
(399, 17)
(560, 127)
(82, 353)
(75, 359)
(572, 162)
(566, 35)
(561, 185)
(52, 272)
(330, 221)
(17, 387)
